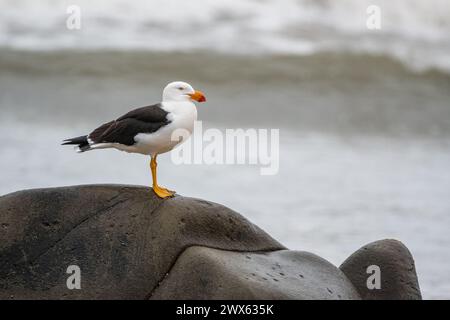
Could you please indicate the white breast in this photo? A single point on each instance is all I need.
(182, 115)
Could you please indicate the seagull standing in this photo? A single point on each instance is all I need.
(148, 130)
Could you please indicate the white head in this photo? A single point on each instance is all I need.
(181, 91)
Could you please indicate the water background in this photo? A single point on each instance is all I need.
(364, 116)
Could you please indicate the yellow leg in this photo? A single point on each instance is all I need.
(160, 191)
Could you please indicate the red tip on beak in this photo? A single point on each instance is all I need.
(198, 96)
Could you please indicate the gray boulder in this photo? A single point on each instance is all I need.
(123, 238)
(206, 273)
(129, 244)
(396, 268)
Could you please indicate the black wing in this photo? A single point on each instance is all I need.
(124, 129)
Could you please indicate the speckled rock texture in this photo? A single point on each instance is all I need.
(397, 271)
(206, 273)
(129, 244)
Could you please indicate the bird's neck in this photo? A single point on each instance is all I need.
(178, 107)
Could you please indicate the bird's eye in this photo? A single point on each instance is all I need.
(180, 88)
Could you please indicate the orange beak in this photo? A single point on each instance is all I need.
(198, 96)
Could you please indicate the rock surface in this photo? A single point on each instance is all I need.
(129, 244)
(397, 271)
(206, 273)
(123, 238)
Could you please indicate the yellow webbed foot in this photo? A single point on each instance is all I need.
(163, 192)
(168, 190)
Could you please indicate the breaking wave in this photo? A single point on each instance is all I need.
(415, 32)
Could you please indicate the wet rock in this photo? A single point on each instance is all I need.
(206, 273)
(129, 244)
(123, 238)
(397, 271)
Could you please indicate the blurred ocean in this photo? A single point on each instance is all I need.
(364, 115)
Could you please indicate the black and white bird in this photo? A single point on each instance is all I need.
(148, 130)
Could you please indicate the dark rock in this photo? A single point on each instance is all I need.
(129, 244)
(206, 273)
(397, 271)
(123, 238)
